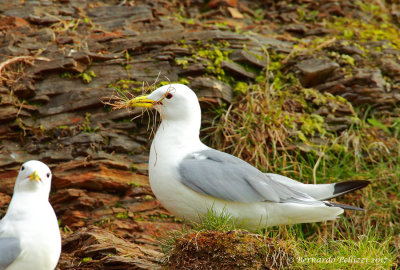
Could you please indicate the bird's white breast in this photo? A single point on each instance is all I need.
(169, 147)
(34, 222)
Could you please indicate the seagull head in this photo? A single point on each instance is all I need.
(174, 102)
(33, 175)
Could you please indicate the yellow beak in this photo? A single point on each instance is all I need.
(141, 101)
(35, 176)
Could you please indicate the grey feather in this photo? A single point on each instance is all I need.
(9, 250)
(321, 192)
(224, 176)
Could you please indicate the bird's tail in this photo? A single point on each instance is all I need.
(321, 192)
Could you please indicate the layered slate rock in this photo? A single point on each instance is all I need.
(59, 60)
(315, 71)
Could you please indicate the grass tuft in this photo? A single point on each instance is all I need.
(214, 242)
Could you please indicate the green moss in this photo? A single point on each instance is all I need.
(360, 31)
(66, 75)
(122, 215)
(125, 86)
(312, 124)
(87, 259)
(212, 55)
(214, 58)
(182, 19)
(305, 15)
(343, 59)
(34, 103)
(259, 14)
(240, 87)
(148, 198)
(181, 62)
(348, 33)
(260, 79)
(181, 81)
(86, 125)
(160, 216)
(315, 96)
(87, 76)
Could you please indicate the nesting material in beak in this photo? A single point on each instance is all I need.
(141, 101)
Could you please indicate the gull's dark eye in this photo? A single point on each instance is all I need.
(169, 96)
(48, 175)
(22, 168)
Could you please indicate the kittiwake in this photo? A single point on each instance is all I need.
(29, 233)
(190, 178)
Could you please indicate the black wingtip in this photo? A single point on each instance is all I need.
(349, 186)
(344, 206)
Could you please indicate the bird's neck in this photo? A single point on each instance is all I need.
(178, 133)
(36, 196)
(176, 137)
(22, 189)
(26, 202)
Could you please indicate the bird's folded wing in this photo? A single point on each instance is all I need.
(320, 192)
(9, 250)
(224, 176)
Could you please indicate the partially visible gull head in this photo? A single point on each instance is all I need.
(172, 101)
(33, 176)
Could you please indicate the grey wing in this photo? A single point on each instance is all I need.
(224, 176)
(9, 251)
(321, 191)
(318, 192)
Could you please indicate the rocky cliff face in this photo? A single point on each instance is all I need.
(59, 60)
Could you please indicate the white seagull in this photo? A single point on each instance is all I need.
(190, 178)
(29, 233)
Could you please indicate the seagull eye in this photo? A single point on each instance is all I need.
(48, 175)
(22, 168)
(169, 96)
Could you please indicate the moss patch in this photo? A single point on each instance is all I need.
(228, 250)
